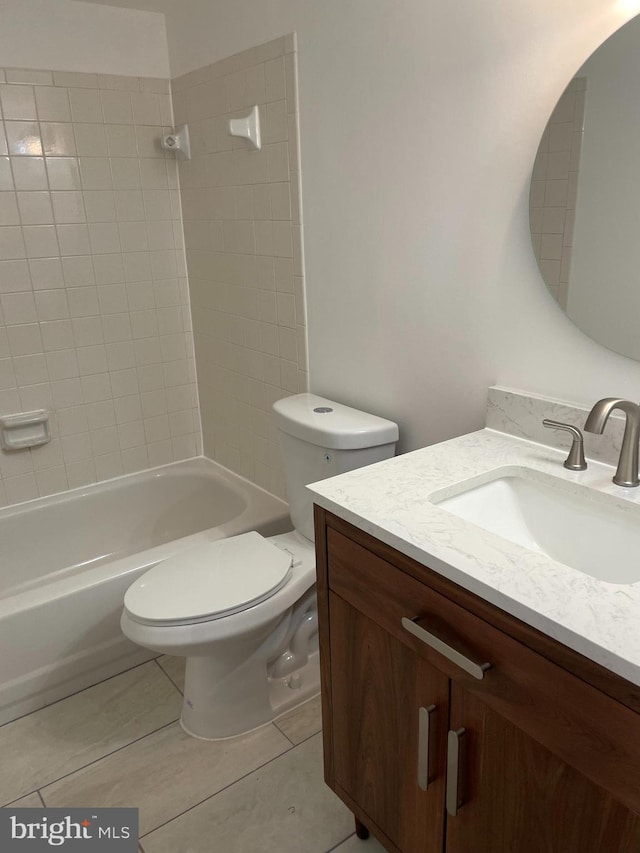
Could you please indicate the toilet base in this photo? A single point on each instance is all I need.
(284, 694)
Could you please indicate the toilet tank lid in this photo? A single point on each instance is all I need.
(332, 425)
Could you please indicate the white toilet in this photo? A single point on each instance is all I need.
(243, 610)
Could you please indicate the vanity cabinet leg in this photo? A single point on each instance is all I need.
(361, 830)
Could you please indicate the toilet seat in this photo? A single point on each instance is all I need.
(209, 582)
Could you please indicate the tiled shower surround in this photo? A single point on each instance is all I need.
(94, 319)
(242, 226)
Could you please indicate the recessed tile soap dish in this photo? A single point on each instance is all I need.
(27, 429)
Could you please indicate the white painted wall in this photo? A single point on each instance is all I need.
(604, 289)
(66, 35)
(420, 122)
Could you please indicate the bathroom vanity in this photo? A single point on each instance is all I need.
(479, 696)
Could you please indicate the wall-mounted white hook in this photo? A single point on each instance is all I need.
(179, 142)
(247, 128)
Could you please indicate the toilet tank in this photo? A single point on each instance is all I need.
(319, 439)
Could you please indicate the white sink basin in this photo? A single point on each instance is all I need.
(586, 530)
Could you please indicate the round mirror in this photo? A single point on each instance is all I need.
(585, 195)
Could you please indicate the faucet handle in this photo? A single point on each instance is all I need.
(575, 461)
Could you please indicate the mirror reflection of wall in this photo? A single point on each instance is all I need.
(554, 189)
(585, 195)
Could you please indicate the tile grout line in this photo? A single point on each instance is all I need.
(95, 761)
(164, 672)
(76, 693)
(226, 787)
(340, 843)
(11, 803)
(284, 734)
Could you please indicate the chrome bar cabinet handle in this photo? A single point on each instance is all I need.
(455, 748)
(425, 753)
(477, 670)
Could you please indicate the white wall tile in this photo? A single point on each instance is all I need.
(91, 140)
(14, 276)
(23, 138)
(116, 107)
(275, 79)
(75, 79)
(126, 173)
(78, 270)
(146, 108)
(75, 193)
(18, 102)
(243, 254)
(56, 335)
(51, 305)
(52, 104)
(121, 140)
(29, 173)
(87, 331)
(46, 273)
(108, 268)
(29, 76)
(35, 208)
(86, 105)
(58, 139)
(40, 241)
(30, 369)
(9, 214)
(95, 173)
(6, 176)
(73, 239)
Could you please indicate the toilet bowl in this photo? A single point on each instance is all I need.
(239, 654)
(243, 610)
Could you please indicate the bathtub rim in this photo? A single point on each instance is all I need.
(271, 512)
(201, 461)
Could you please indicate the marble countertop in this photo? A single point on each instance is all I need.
(391, 500)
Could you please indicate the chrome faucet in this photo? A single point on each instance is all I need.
(627, 470)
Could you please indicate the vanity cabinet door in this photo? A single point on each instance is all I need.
(389, 720)
(518, 797)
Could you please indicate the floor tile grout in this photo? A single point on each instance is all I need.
(106, 755)
(288, 744)
(309, 737)
(226, 787)
(76, 693)
(29, 794)
(344, 840)
(164, 672)
(284, 734)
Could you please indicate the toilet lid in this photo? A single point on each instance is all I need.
(209, 581)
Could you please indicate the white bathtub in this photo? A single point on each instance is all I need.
(66, 561)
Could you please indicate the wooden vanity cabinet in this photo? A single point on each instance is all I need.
(541, 754)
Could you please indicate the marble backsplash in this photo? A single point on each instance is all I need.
(520, 414)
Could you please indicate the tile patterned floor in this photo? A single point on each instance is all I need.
(119, 743)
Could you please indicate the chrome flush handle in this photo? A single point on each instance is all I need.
(575, 461)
